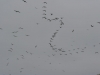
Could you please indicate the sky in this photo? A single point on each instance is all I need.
(49, 37)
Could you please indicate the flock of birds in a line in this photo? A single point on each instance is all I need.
(61, 23)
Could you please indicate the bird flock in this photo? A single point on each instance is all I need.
(53, 47)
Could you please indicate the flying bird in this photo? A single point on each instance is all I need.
(35, 46)
(96, 52)
(14, 35)
(24, 1)
(12, 44)
(44, 10)
(17, 11)
(98, 22)
(51, 14)
(91, 25)
(45, 2)
(44, 14)
(72, 30)
(1, 28)
(44, 17)
(49, 20)
(44, 7)
(35, 7)
(27, 35)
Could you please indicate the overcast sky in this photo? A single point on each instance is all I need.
(59, 37)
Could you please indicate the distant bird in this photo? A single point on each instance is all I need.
(10, 50)
(17, 11)
(27, 35)
(71, 53)
(44, 14)
(37, 23)
(20, 28)
(60, 27)
(98, 22)
(44, 17)
(44, 10)
(56, 18)
(72, 30)
(45, 2)
(60, 54)
(22, 68)
(76, 52)
(7, 64)
(65, 54)
(84, 47)
(51, 14)
(17, 58)
(49, 20)
(92, 26)
(44, 7)
(61, 17)
(12, 44)
(14, 35)
(35, 46)
(94, 45)
(73, 49)
(82, 51)
(26, 51)
(63, 51)
(20, 71)
(57, 30)
(53, 54)
(35, 7)
(24, 1)
(96, 52)
(31, 53)
(78, 48)
(0, 28)
(68, 50)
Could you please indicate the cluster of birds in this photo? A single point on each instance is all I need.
(53, 47)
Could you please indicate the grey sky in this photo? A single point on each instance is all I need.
(27, 51)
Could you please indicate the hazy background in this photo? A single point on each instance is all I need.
(20, 56)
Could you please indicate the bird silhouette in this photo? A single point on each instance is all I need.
(44, 7)
(76, 52)
(44, 17)
(17, 11)
(24, 1)
(63, 51)
(7, 64)
(82, 51)
(51, 14)
(44, 10)
(27, 35)
(44, 14)
(45, 2)
(49, 20)
(0, 28)
(72, 30)
(35, 46)
(96, 52)
(12, 44)
(14, 35)
(98, 22)
(92, 26)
